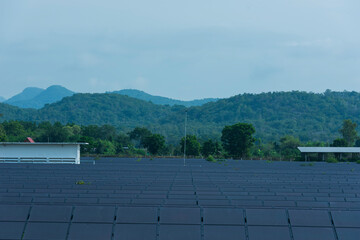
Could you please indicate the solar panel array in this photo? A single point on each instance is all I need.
(162, 199)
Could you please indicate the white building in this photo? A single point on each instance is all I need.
(23, 152)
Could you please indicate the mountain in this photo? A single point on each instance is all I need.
(37, 97)
(309, 116)
(163, 100)
(2, 99)
(26, 95)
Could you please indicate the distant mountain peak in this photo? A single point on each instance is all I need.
(27, 94)
(32, 97)
(163, 100)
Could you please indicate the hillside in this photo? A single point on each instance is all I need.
(163, 100)
(8, 112)
(310, 116)
(37, 97)
(2, 99)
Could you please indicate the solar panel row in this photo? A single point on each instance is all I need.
(162, 199)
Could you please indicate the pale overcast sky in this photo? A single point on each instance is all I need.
(184, 49)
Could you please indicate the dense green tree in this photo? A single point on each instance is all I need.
(105, 147)
(55, 133)
(3, 136)
(108, 132)
(140, 134)
(91, 131)
(210, 147)
(15, 131)
(90, 147)
(122, 143)
(357, 143)
(192, 145)
(155, 143)
(237, 139)
(289, 147)
(348, 132)
(339, 142)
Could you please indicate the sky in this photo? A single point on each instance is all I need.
(180, 49)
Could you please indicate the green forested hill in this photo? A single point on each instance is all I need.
(310, 116)
(163, 100)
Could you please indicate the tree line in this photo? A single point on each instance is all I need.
(236, 141)
(307, 116)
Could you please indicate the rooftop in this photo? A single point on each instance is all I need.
(329, 149)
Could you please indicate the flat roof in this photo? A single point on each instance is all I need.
(329, 149)
(42, 143)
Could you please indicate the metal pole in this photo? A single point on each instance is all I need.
(185, 139)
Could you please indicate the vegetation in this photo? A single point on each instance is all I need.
(306, 116)
(163, 100)
(192, 145)
(348, 132)
(210, 159)
(332, 160)
(237, 139)
(114, 124)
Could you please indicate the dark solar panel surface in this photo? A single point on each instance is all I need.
(162, 199)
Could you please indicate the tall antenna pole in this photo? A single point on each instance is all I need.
(185, 139)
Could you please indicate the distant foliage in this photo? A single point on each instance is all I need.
(308, 117)
(237, 139)
(192, 145)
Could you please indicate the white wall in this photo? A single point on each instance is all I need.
(38, 151)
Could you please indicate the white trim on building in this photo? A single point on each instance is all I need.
(23, 152)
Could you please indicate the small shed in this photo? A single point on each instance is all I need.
(322, 151)
(37, 152)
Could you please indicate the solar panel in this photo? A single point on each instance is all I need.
(11, 230)
(180, 215)
(279, 203)
(268, 233)
(48, 200)
(348, 233)
(81, 200)
(136, 215)
(310, 218)
(135, 231)
(43, 213)
(45, 231)
(179, 232)
(145, 201)
(13, 212)
(346, 218)
(114, 200)
(88, 214)
(275, 217)
(313, 233)
(90, 231)
(214, 202)
(223, 216)
(181, 202)
(215, 232)
(313, 204)
(208, 200)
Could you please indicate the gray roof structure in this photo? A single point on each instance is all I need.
(329, 149)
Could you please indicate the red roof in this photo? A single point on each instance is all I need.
(29, 139)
